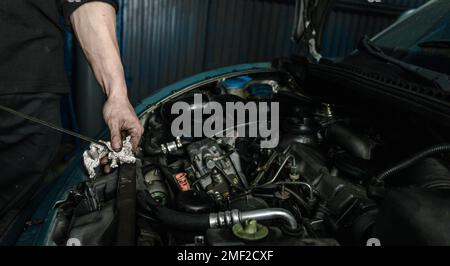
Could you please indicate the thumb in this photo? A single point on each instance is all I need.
(116, 139)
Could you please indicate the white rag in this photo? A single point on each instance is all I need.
(96, 152)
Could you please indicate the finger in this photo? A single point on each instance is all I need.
(104, 161)
(107, 169)
(135, 131)
(136, 135)
(134, 140)
(116, 138)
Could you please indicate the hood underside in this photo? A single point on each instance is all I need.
(309, 21)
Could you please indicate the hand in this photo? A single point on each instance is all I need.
(122, 121)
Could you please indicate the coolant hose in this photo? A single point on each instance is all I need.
(172, 218)
(200, 222)
(182, 220)
(441, 148)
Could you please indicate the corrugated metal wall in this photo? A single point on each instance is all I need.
(167, 40)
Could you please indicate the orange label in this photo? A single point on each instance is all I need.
(183, 182)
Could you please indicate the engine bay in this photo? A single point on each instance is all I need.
(327, 183)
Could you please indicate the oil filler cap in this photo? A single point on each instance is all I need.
(251, 230)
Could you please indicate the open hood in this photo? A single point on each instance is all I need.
(310, 19)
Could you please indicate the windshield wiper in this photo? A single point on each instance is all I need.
(440, 80)
(444, 44)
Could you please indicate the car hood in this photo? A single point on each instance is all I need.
(309, 23)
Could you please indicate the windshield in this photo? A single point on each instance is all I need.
(421, 39)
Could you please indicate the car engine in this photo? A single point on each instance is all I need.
(321, 186)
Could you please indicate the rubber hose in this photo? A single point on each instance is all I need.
(441, 148)
(182, 220)
(172, 218)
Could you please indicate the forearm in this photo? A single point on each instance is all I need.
(95, 27)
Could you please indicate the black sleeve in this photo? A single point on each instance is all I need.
(67, 7)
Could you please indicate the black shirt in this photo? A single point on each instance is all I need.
(32, 44)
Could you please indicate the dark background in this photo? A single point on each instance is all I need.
(163, 41)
